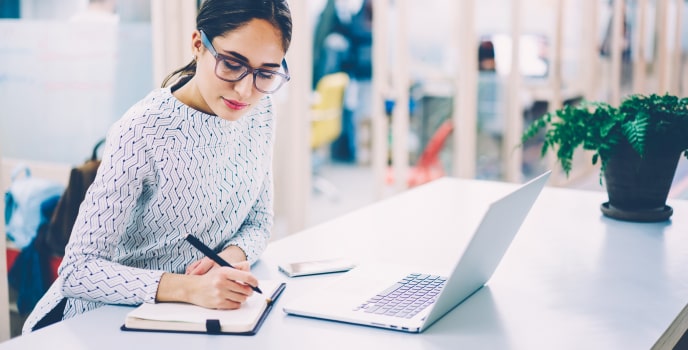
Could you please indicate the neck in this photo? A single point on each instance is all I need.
(189, 95)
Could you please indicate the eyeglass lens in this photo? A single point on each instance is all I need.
(265, 80)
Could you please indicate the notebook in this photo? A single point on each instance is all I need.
(189, 318)
(382, 295)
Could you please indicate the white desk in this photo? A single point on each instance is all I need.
(572, 279)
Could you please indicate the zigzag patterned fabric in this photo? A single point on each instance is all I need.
(167, 170)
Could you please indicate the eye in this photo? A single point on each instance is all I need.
(266, 74)
(232, 65)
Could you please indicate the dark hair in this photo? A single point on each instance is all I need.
(486, 51)
(217, 17)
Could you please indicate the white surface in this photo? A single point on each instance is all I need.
(4, 290)
(572, 279)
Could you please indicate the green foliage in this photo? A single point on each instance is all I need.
(657, 122)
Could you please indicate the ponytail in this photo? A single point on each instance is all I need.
(186, 73)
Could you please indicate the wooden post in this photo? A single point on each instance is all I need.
(400, 115)
(292, 146)
(465, 98)
(380, 127)
(662, 54)
(512, 155)
(639, 63)
(172, 22)
(675, 69)
(555, 101)
(555, 72)
(590, 56)
(615, 50)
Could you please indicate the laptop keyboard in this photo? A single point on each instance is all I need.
(405, 298)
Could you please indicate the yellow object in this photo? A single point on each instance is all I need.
(326, 122)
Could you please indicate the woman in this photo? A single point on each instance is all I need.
(194, 157)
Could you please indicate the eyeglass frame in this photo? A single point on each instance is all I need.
(249, 70)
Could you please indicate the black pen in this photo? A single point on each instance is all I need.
(212, 255)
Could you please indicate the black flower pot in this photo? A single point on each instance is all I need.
(638, 187)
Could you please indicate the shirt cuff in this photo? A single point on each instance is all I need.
(151, 289)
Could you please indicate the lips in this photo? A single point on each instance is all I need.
(234, 104)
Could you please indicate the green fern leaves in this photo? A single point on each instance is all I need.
(657, 121)
(635, 131)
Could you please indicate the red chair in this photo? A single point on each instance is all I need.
(429, 167)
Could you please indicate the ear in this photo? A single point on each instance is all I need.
(196, 43)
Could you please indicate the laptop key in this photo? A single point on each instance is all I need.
(390, 289)
(371, 309)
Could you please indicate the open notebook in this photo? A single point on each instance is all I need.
(182, 317)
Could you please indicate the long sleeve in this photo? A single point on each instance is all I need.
(91, 269)
(254, 233)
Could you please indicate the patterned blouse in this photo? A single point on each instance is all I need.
(167, 170)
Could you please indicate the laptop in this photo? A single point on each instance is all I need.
(403, 299)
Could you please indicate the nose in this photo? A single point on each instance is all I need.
(244, 87)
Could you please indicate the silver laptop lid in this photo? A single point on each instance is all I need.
(488, 245)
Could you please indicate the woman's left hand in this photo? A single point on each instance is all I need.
(233, 254)
(200, 267)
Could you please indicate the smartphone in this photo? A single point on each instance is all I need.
(315, 267)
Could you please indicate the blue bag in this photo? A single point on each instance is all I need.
(23, 202)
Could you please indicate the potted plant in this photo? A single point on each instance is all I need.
(637, 143)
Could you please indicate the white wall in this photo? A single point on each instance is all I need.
(63, 84)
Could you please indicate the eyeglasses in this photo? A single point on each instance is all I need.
(232, 70)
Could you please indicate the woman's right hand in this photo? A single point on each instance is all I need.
(219, 288)
(223, 288)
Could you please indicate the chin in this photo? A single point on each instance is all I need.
(232, 116)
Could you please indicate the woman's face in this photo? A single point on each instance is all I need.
(257, 44)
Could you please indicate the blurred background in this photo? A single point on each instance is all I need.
(385, 94)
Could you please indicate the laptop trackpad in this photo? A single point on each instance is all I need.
(354, 287)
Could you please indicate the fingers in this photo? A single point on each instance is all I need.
(232, 300)
(192, 267)
(242, 277)
(237, 296)
(228, 305)
(200, 267)
(242, 265)
(223, 299)
(225, 288)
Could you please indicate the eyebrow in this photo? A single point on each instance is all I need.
(241, 57)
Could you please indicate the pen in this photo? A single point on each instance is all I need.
(212, 255)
